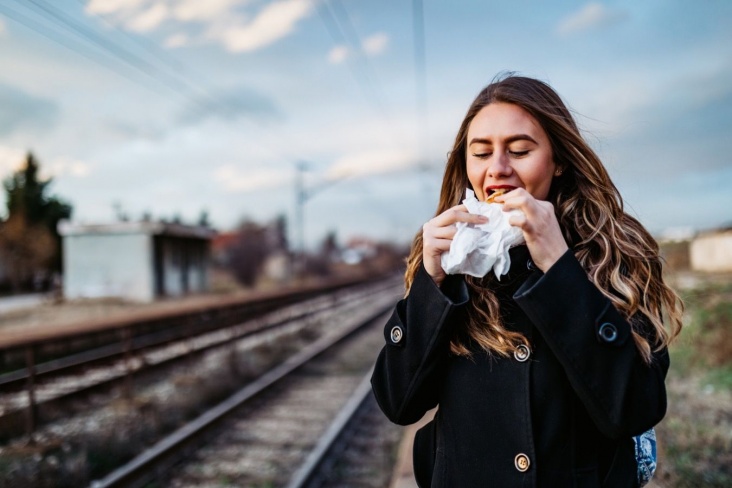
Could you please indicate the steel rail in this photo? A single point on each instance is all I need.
(145, 467)
(109, 352)
(16, 417)
(308, 470)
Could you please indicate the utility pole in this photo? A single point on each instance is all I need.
(302, 195)
(300, 199)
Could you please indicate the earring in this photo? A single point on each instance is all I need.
(558, 172)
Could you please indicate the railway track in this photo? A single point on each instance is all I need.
(156, 332)
(288, 428)
(54, 387)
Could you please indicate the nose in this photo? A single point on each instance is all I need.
(499, 166)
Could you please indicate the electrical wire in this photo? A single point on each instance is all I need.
(176, 85)
(192, 77)
(420, 78)
(351, 36)
(182, 86)
(55, 37)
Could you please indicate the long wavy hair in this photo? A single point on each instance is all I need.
(620, 257)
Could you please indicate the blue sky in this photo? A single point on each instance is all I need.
(210, 105)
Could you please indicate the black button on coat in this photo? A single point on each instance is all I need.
(571, 409)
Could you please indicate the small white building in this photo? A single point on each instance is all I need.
(134, 260)
(712, 251)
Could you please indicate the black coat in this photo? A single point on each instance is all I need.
(560, 413)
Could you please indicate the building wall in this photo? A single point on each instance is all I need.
(197, 266)
(712, 252)
(183, 265)
(173, 267)
(98, 265)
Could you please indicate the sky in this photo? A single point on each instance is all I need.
(175, 107)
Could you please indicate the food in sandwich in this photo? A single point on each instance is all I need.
(497, 192)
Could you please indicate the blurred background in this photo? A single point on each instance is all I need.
(160, 152)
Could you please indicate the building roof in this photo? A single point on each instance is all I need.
(66, 228)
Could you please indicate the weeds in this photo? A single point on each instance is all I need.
(695, 438)
(127, 428)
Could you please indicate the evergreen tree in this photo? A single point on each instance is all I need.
(30, 245)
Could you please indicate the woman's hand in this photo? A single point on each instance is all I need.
(437, 236)
(539, 224)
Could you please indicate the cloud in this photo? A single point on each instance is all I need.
(22, 110)
(223, 21)
(113, 6)
(371, 163)
(237, 180)
(371, 46)
(230, 106)
(338, 54)
(375, 44)
(593, 15)
(136, 130)
(65, 166)
(3, 29)
(11, 159)
(199, 11)
(149, 19)
(273, 22)
(176, 40)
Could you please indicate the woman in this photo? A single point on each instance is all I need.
(541, 377)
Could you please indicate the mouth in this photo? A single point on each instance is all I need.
(494, 191)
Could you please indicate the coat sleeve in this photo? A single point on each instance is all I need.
(623, 394)
(410, 368)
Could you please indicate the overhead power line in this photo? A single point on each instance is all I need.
(54, 36)
(85, 41)
(351, 36)
(177, 85)
(420, 78)
(194, 78)
(336, 33)
(338, 24)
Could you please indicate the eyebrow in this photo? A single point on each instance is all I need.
(508, 140)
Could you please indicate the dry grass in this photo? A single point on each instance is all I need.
(97, 443)
(695, 438)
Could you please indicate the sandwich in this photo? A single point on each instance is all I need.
(495, 193)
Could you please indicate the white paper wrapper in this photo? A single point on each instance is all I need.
(476, 249)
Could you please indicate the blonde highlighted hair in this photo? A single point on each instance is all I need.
(620, 257)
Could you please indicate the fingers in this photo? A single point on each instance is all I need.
(532, 208)
(516, 199)
(437, 235)
(436, 246)
(539, 224)
(518, 220)
(456, 214)
(444, 232)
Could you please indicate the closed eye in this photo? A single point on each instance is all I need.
(518, 154)
(482, 155)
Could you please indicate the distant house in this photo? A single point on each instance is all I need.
(134, 260)
(221, 247)
(712, 251)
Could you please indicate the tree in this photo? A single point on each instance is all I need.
(203, 219)
(27, 194)
(29, 241)
(251, 247)
(28, 251)
(248, 252)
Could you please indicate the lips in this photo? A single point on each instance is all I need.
(492, 192)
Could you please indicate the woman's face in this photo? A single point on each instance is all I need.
(507, 148)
